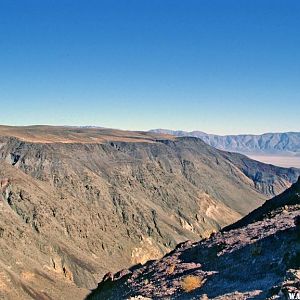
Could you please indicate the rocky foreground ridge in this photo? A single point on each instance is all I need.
(76, 203)
(256, 258)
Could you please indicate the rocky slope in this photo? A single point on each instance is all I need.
(79, 202)
(269, 143)
(256, 258)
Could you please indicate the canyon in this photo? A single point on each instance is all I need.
(257, 257)
(77, 203)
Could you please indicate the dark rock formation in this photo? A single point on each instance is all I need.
(256, 258)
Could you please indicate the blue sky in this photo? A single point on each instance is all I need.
(222, 67)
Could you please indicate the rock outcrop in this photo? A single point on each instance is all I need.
(255, 258)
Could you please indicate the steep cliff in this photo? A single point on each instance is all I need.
(256, 258)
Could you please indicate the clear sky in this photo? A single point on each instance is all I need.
(218, 66)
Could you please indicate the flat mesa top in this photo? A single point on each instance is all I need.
(68, 134)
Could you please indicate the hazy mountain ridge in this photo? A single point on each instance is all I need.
(72, 210)
(256, 258)
(284, 143)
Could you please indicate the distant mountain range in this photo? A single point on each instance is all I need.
(287, 143)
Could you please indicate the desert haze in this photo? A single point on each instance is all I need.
(281, 149)
(278, 160)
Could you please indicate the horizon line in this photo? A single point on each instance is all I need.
(151, 129)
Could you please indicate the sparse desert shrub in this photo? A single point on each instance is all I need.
(190, 283)
(220, 246)
(171, 269)
(294, 260)
(256, 250)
